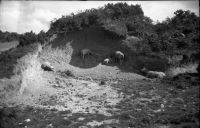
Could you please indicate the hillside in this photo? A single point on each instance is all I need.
(85, 93)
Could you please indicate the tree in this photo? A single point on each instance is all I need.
(27, 38)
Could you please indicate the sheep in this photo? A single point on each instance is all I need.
(107, 61)
(153, 74)
(119, 56)
(85, 52)
(46, 66)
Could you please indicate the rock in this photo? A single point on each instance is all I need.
(162, 107)
(46, 66)
(108, 127)
(65, 118)
(178, 100)
(27, 120)
(111, 121)
(81, 118)
(82, 127)
(49, 126)
(163, 126)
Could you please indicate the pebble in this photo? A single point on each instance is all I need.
(27, 120)
(179, 100)
(81, 118)
(49, 126)
(82, 127)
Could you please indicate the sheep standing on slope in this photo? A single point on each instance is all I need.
(107, 61)
(85, 52)
(119, 57)
(153, 74)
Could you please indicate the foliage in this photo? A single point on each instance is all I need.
(112, 17)
(176, 35)
(136, 46)
(7, 36)
(180, 32)
(27, 38)
(42, 37)
(30, 38)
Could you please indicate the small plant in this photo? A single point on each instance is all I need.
(102, 82)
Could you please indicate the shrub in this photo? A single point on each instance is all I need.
(27, 38)
(7, 36)
(136, 46)
(112, 17)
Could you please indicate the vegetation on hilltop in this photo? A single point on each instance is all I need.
(111, 17)
(31, 37)
(178, 35)
(180, 32)
(7, 36)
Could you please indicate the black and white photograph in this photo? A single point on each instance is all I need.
(99, 64)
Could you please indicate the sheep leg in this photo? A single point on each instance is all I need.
(120, 62)
(83, 56)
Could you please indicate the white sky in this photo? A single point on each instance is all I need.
(24, 16)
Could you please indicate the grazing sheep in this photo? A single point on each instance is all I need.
(153, 74)
(107, 61)
(119, 57)
(85, 52)
(46, 66)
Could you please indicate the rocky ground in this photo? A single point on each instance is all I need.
(86, 103)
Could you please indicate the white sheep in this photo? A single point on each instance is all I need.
(119, 56)
(85, 52)
(153, 74)
(107, 61)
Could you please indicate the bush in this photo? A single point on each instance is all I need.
(112, 17)
(7, 36)
(136, 46)
(27, 38)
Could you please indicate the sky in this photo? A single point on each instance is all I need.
(24, 16)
